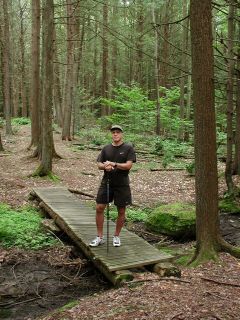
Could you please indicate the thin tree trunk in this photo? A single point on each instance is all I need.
(1, 145)
(229, 161)
(68, 96)
(105, 75)
(237, 134)
(165, 46)
(35, 74)
(24, 111)
(57, 92)
(156, 69)
(184, 78)
(139, 44)
(6, 69)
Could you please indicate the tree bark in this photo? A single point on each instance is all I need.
(6, 69)
(184, 76)
(105, 75)
(45, 167)
(229, 161)
(35, 74)
(139, 44)
(24, 109)
(68, 95)
(236, 169)
(1, 145)
(206, 184)
(156, 60)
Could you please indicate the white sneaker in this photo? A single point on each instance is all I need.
(116, 241)
(96, 242)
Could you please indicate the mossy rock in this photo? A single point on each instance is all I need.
(177, 220)
(229, 205)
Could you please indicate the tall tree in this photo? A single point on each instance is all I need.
(156, 60)
(45, 167)
(208, 237)
(68, 93)
(230, 84)
(6, 68)
(237, 125)
(184, 76)
(105, 75)
(23, 91)
(35, 74)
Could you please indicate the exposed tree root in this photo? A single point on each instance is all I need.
(227, 247)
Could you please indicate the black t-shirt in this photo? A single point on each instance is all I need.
(119, 154)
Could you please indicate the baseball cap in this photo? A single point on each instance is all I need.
(116, 127)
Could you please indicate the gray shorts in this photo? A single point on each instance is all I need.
(121, 195)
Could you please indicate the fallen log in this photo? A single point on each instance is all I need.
(82, 193)
(167, 169)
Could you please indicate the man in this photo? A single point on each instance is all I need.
(116, 160)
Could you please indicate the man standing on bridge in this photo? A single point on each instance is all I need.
(116, 160)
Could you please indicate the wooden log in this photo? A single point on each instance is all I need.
(167, 169)
(49, 224)
(82, 193)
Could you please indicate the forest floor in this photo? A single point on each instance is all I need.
(34, 283)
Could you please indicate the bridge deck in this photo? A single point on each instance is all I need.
(78, 221)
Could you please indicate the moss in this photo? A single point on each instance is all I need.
(69, 305)
(176, 220)
(183, 261)
(229, 205)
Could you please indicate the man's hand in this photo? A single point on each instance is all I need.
(109, 165)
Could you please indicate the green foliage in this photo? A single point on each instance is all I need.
(21, 121)
(176, 220)
(190, 167)
(133, 215)
(169, 149)
(131, 108)
(21, 228)
(229, 205)
(94, 135)
(1, 122)
(170, 112)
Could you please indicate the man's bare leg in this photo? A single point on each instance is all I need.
(100, 219)
(120, 220)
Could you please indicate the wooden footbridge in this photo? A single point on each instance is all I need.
(78, 221)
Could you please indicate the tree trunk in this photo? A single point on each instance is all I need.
(35, 74)
(156, 60)
(207, 222)
(24, 111)
(236, 169)
(45, 167)
(1, 145)
(68, 96)
(229, 161)
(57, 90)
(184, 76)
(165, 45)
(6, 69)
(139, 44)
(105, 76)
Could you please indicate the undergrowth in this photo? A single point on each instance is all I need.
(133, 215)
(21, 228)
